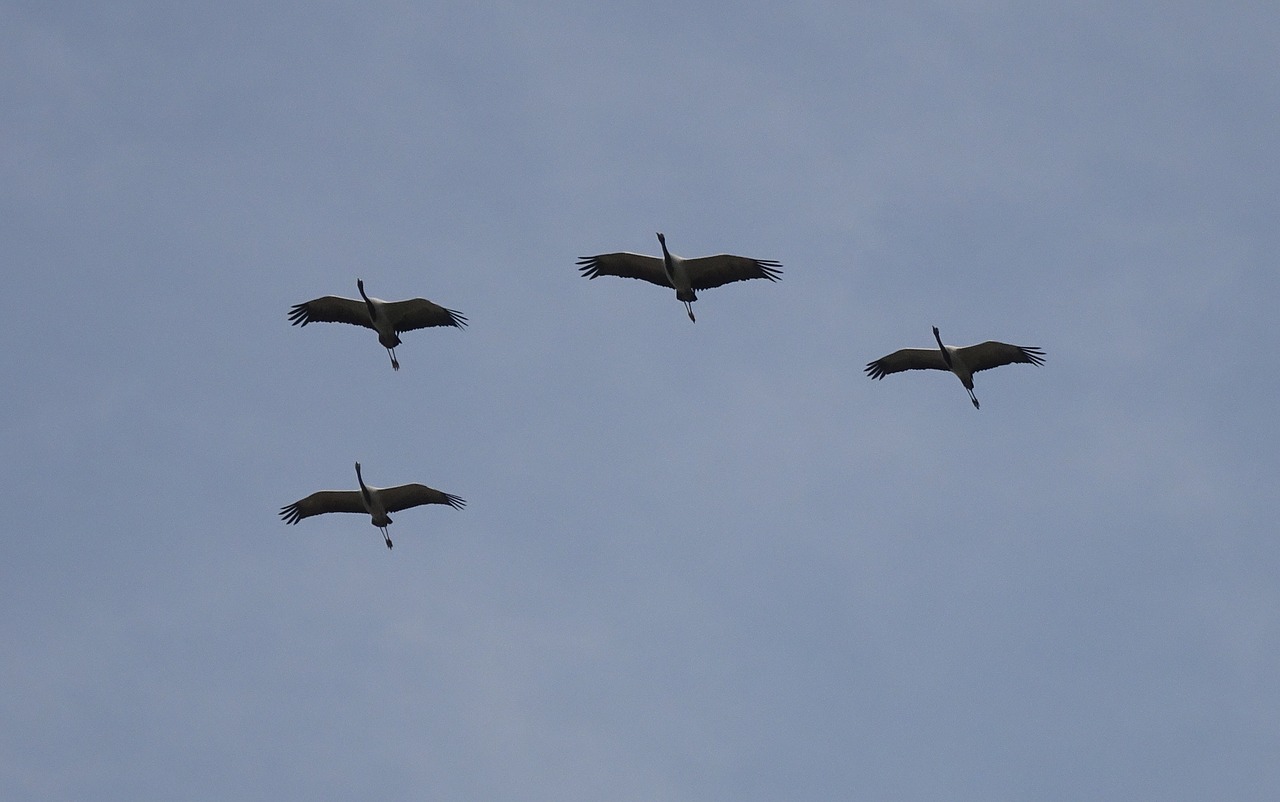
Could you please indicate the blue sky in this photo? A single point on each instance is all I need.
(698, 561)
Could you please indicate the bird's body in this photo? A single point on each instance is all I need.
(378, 502)
(963, 362)
(387, 318)
(685, 276)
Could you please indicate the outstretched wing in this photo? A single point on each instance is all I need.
(419, 313)
(706, 272)
(906, 359)
(406, 496)
(331, 309)
(322, 502)
(625, 265)
(992, 354)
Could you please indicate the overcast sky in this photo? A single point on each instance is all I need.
(699, 561)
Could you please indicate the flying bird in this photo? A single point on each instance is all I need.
(376, 501)
(388, 318)
(683, 275)
(964, 362)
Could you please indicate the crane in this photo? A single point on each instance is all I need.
(964, 362)
(388, 318)
(685, 276)
(376, 501)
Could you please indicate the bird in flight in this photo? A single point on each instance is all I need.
(685, 276)
(964, 362)
(378, 502)
(388, 318)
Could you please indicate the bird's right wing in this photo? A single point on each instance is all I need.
(992, 354)
(406, 496)
(322, 502)
(706, 272)
(625, 265)
(906, 359)
(331, 309)
(419, 313)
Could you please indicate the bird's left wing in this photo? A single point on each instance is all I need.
(625, 265)
(330, 309)
(322, 502)
(419, 313)
(406, 496)
(706, 272)
(992, 354)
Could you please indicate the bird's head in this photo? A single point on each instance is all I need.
(662, 238)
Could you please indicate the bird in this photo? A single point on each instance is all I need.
(683, 275)
(388, 318)
(376, 501)
(964, 362)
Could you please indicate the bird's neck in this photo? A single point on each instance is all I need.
(946, 355)
(368, 304)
